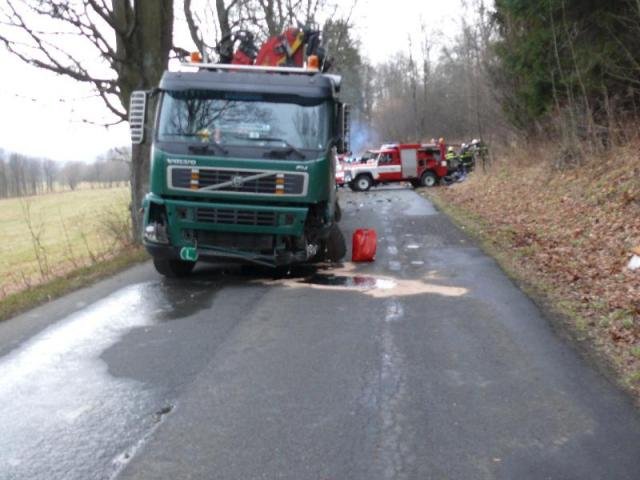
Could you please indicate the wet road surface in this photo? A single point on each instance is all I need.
(427, 364)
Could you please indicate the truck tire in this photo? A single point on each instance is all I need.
(333, 248)
(336, 245)
(363, 182)
(173, 268)
(428, 179)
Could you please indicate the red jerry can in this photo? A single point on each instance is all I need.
(364, 245)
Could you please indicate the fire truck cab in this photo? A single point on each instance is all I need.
(421, 165)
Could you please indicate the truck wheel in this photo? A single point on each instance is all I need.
(321, 256)
(428, 179)
(336, 245)
(333, 248)
(173, 268)
(363, 182)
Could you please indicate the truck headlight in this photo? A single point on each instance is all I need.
(156, 233)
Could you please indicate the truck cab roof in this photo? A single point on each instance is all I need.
(297, 88)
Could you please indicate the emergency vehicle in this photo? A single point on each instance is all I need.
(421, 165)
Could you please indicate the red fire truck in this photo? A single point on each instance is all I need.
(421, 165)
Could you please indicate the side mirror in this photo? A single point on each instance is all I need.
(344, 117)
(137, 115)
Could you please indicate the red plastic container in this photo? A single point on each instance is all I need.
(364, 245)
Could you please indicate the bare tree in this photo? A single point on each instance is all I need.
(4, 176)
(120, 155)
(449, 96)
(50, 168)
(132, 39)
(425, 49)
(273, 16)
(36, 232)
(117, 162)
(72, 173)
(413, 81)
(263, 18)
(227, 17)
(16, 165)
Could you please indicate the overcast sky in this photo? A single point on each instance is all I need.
(42, 114)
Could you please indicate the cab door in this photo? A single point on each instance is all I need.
(409, 160)
(389, 167)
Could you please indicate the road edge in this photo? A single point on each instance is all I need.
(561, 318)
(24, 300)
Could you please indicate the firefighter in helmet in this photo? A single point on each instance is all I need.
(452, 159)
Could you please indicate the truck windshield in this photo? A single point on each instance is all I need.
(368, 155)
(202, 116)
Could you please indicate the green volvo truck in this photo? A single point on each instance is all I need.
(242, 166)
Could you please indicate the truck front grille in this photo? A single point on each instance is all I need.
(236, 241)
(233, 181)
(228, 216)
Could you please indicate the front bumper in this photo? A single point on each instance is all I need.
(202, 225)
(212, 254)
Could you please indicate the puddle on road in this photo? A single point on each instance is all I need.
(174, 300)
(356, 282)
(394, 310)
(419, 207)
(63, 416)
(395, 266)
(346, 278)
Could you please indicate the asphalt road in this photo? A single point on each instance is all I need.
(427, 364)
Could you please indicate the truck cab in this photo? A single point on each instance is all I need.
(243, 168)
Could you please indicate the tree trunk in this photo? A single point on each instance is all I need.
(145, 40)
(139, 186)
(226, 45)
(269, 16)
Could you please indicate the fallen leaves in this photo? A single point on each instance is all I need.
(573, 233)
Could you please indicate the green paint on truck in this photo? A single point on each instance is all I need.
(243, 168)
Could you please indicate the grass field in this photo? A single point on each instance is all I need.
(45, 236)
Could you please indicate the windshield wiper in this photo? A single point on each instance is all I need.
(287, 151)
(284, 153)
(204, 148)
